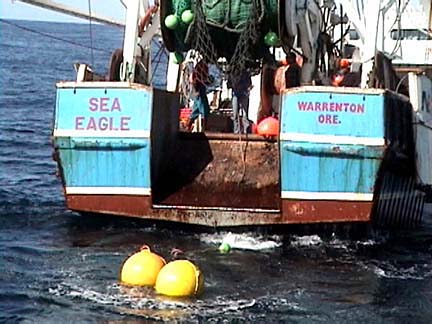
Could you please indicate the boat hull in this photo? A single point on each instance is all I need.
(122, 154)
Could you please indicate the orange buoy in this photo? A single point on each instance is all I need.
(344, 63)
(142, 268)
(268, 127)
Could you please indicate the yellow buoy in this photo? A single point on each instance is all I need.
(180, 278)
(142, 268)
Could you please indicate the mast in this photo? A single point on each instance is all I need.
(136, 41)
(127, 70)
(430, 17)
(51, 5)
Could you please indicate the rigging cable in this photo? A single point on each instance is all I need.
(52, 36)
(91, 33)
(158, 56)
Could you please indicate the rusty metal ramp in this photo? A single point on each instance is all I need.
(220, 171)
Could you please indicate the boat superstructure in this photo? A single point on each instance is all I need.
(358, 152)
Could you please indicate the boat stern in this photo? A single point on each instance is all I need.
(102, 145)
(331, 148)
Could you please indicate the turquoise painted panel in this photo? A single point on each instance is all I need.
(96, 162)
(316, 167)
(103, 109)
(334, 150)
(326, 113)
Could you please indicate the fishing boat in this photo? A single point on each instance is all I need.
(353, 152)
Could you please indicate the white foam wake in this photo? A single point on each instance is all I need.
(244, 241)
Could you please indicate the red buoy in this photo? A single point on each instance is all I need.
(344, 63)
(268, 127)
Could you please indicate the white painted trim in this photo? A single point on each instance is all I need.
(83, 133)
(108, 191)
(309, 195)
(332, 139)
(342, 90)
(222, 209)
(101, 85)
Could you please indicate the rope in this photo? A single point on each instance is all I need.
(185, 85)
(244, 154)
(91, 33)
(202, 40)
(248, 37)
(158, 56)
(52, 36)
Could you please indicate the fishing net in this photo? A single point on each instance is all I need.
(230, 15)
(249, 36)
(229, 29)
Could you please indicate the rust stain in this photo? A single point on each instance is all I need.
(293, 212)
(296, 209)
(336, 149)
(317, 211)
(214, 172)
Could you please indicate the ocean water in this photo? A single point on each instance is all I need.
(57, 266)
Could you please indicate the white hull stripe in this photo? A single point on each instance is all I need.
(332, 139)
(108, 191)
(308, 195)
(81, 133)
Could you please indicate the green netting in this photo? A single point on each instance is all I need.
(232, 15)
(233, 29)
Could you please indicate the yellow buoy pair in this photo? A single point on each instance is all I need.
(178, 278)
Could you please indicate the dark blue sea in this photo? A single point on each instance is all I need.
(60, 267)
